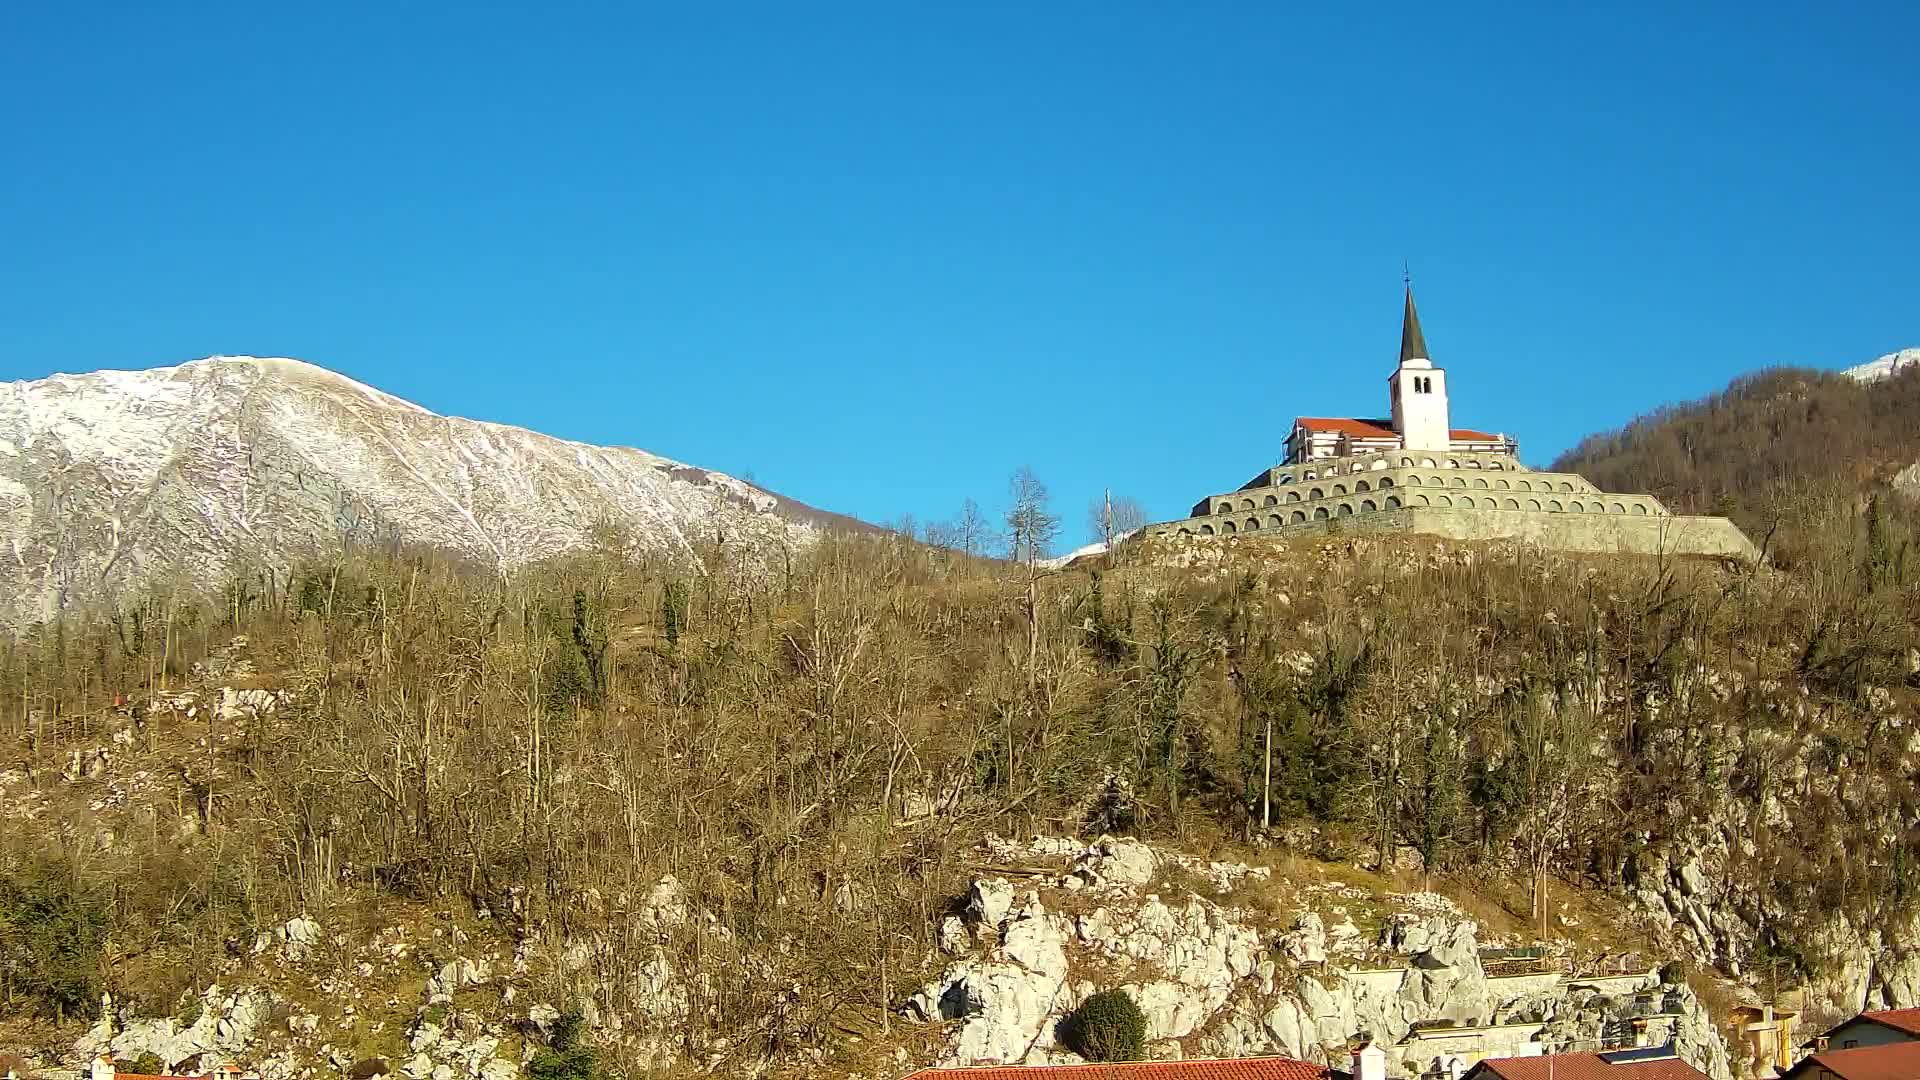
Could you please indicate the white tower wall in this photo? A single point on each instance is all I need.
(1420, 413)
(1419, 390)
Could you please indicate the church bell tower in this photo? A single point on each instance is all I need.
(1419, 390)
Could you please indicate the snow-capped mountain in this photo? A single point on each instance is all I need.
(1885, 366)
(116, 478)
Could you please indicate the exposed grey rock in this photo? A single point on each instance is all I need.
(1306, 943)
(425, 1036)
(1009, 1002)
(953, 938)
(297, 937)
(1206, 980)
(989, 901)
(227, 1026)
(1116, 864)
(1693, 880)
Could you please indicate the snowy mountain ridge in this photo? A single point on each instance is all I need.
(1886, 366)
(114, 479)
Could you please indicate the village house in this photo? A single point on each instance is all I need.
(1881, 1061)
(1877, 1028)
(1263, 1068)
(1639, 1063)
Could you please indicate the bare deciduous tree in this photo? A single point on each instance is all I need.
(1031, 523)
(1111, 517)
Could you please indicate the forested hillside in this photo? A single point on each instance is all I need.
(1779, 451)
(802, 764)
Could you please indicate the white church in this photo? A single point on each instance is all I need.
(1419, 421)
(1416, 473)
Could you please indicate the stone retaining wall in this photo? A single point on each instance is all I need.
(1606, 533)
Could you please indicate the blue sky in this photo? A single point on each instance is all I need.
(878, 256)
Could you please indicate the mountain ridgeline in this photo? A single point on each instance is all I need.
(1779, 451)
(189, 476)
(727, 814)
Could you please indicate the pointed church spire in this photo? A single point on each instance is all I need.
(1413, 344)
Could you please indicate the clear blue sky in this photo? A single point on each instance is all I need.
(879, 256)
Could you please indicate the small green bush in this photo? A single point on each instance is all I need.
(1107, 1027)
(569, 1058)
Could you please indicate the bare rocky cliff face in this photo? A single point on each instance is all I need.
(118, 479)
(1713, 910)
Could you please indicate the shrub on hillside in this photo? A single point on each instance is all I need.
(1107, 1027)
(53, 929)
(568, 1057)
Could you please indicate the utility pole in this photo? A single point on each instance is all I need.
(1266, 785)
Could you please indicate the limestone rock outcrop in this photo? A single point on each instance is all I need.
(226, 1025)
(1213, 980)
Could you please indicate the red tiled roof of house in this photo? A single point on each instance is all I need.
(1907, 1020)
(1890, 1061)
(1267, 1068)
(1362, 428)
(1588, 1067)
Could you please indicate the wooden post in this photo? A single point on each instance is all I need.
(1266, 785)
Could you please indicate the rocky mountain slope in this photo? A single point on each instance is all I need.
(894, 806)
(311, 869)
(1228, 959)
(1888, 365)
(188, 473)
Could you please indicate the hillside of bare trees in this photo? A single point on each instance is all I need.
(1778, 451)
(812, 755)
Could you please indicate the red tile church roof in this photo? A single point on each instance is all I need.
(1267, 1068)
(1348, 425)
(1378, 429)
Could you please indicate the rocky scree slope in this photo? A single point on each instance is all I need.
(115, 479)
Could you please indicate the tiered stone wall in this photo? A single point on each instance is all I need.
(1464, 496)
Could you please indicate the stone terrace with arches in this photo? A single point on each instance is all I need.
(1343, 487)
(1417, 473)
(1464, 495)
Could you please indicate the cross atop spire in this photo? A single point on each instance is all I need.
(1413, 344)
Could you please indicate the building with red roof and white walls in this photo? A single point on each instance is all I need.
(1412, 471)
